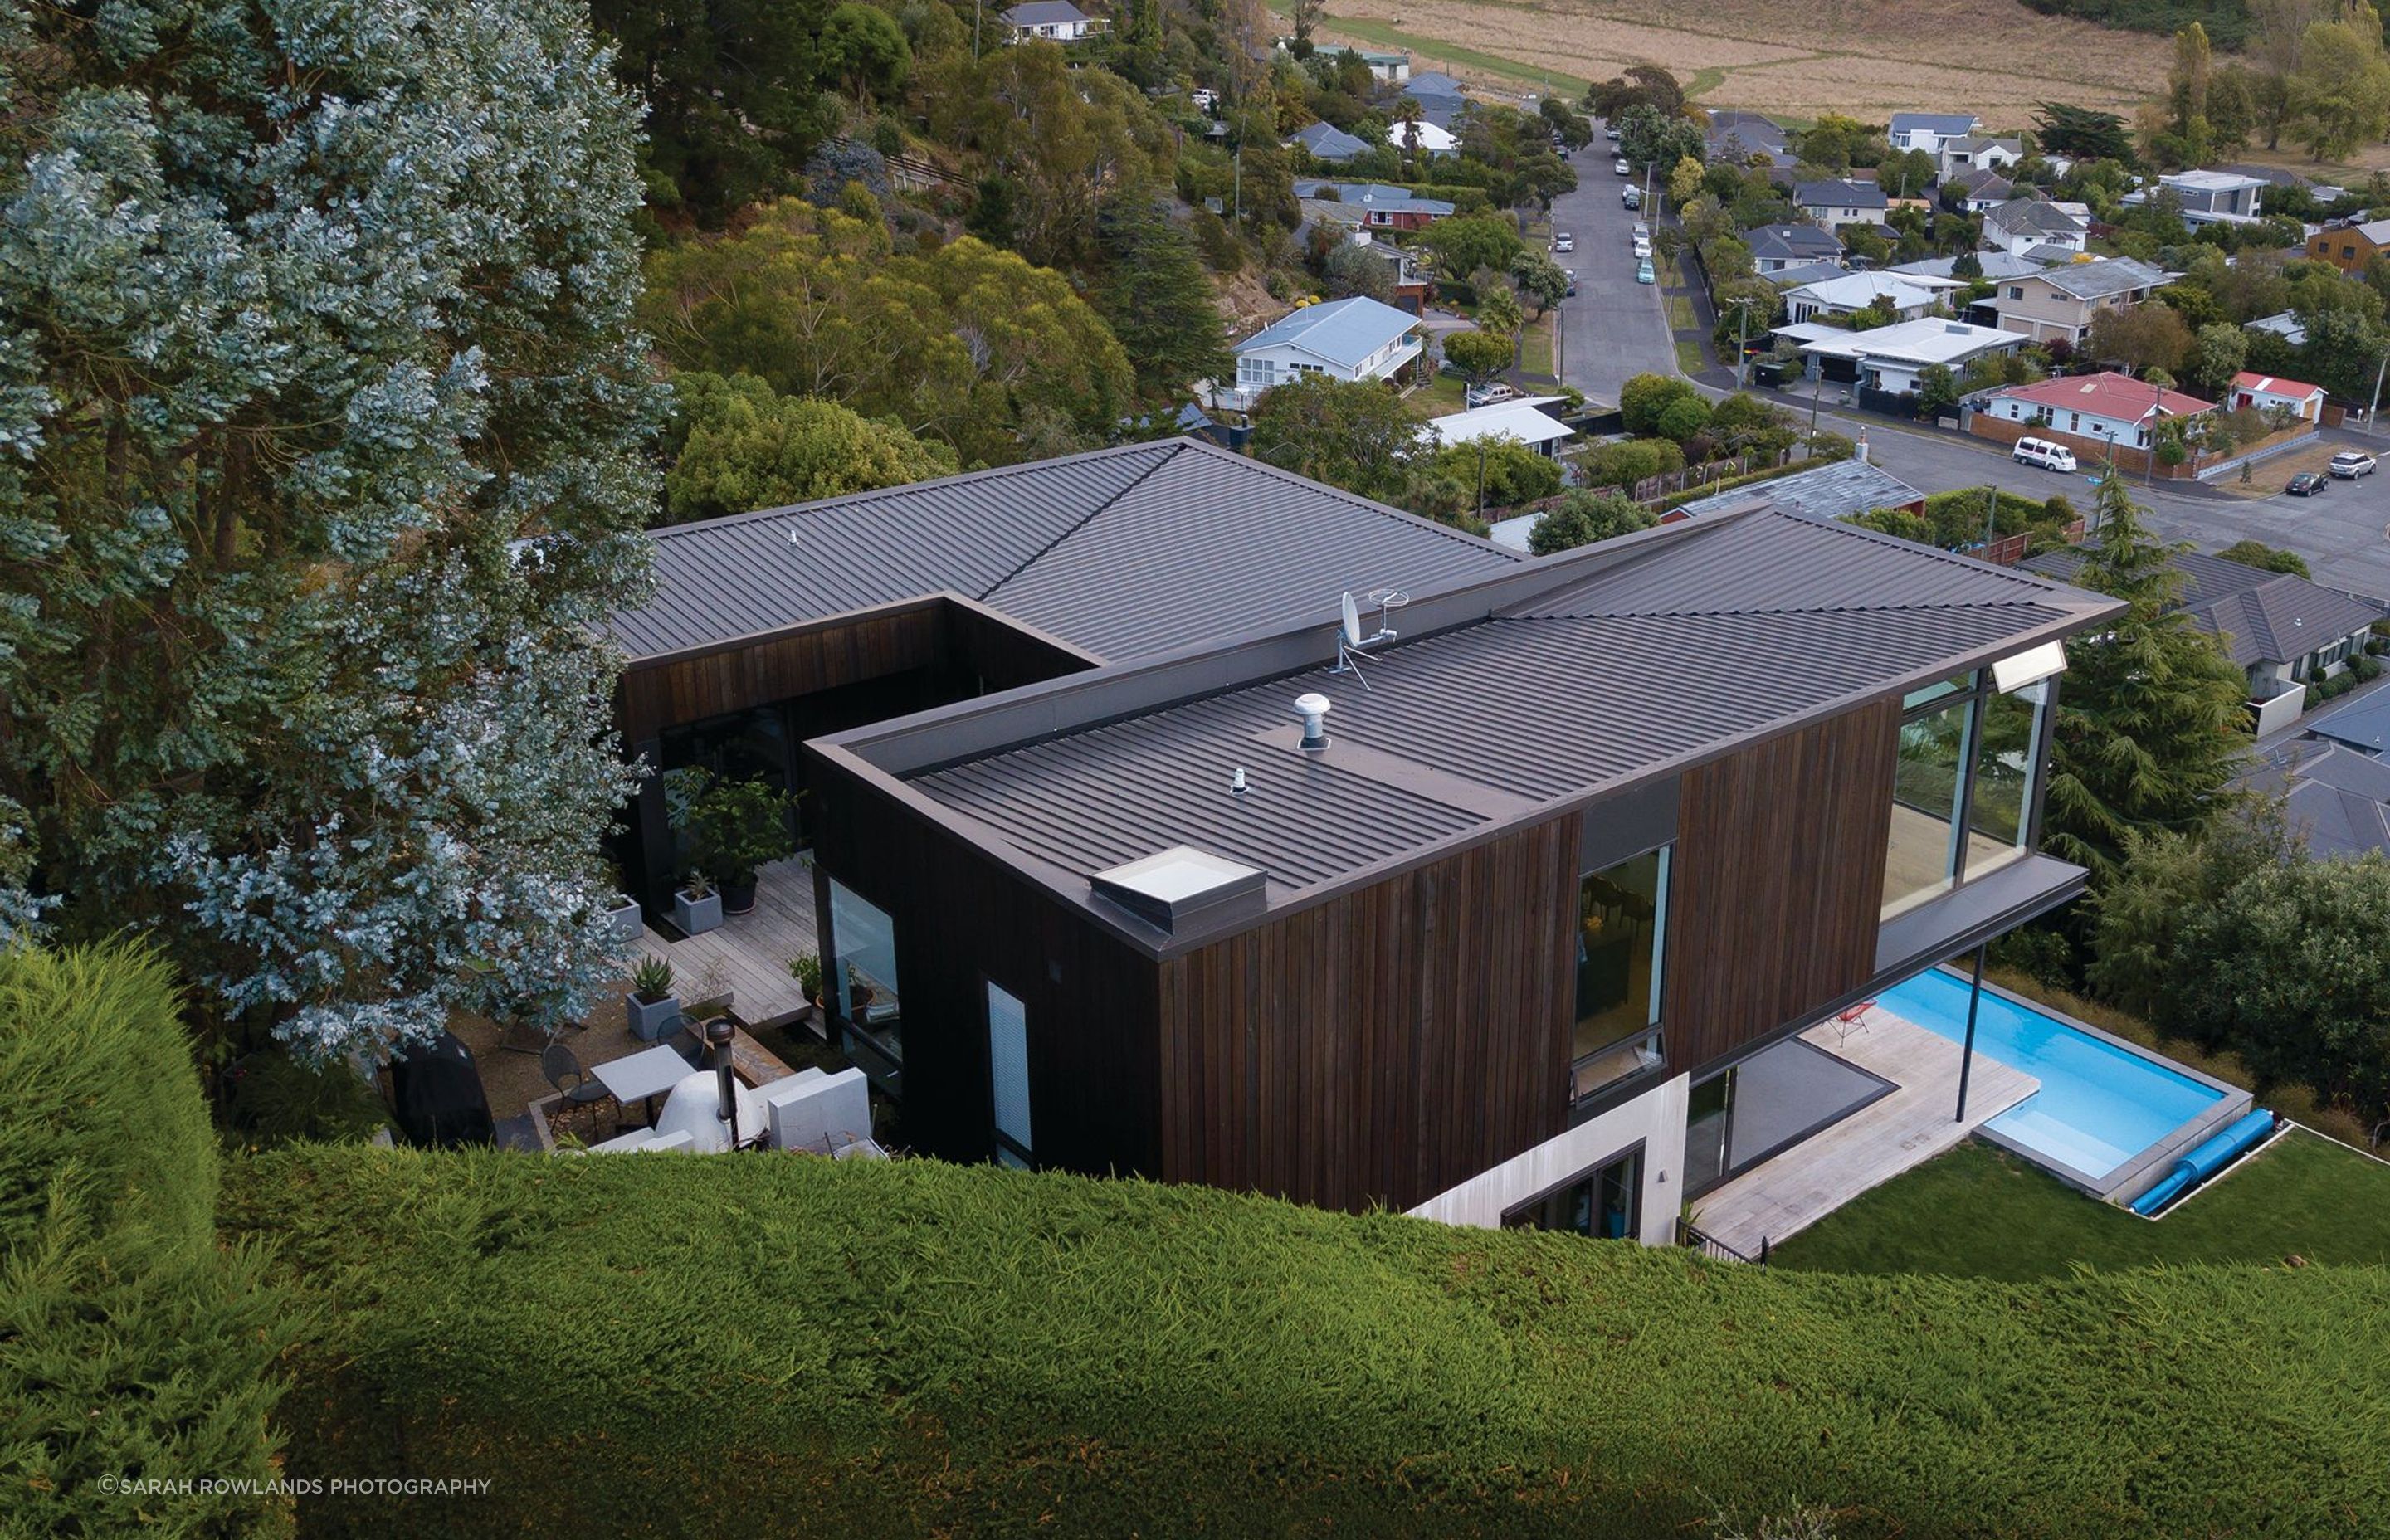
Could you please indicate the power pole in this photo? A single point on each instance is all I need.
(2377, 390)
(1991, 519)
(1480, 478)
(1741, 354)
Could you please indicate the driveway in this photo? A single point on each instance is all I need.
(1614, 328)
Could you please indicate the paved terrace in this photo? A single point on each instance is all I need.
(1785, 1196)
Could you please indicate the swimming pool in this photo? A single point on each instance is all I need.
(2099, 1105)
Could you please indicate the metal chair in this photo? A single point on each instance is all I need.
(575, 1086)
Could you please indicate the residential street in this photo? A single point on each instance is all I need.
(1614, 328)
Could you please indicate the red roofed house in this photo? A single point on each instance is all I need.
(2265, 392)
(2089, 413)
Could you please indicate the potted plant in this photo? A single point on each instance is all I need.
(651, 1007)
(806, 968)
(623, 915)
(734, 827)
(697, 908)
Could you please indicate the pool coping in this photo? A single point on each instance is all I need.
(2143, 1170)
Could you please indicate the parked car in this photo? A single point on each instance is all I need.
(1563, 242)
(1621, 167)
(1611, 134)
(1642, 231)
(1631, 195)
(2349, 464)
(1487, 394)
(1572, 278)
(2306, 483)
(1642, 246)
(2043, 453)
(1643, 272)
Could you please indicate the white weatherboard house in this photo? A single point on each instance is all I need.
(1524, 419)
(1053, 20)
(1930, 131)
(1352, 339)
(1431, 139)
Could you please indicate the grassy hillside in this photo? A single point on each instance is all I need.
(2227, 21)
(720, 1346)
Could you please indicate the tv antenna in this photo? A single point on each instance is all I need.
(1350, 645)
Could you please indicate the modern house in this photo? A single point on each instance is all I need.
(1351, 340)
(1530, 420)
(772, 627)
(1836, 490)
(2285, 631)
(2265, 393)
(1050, 22)
(1976, 153)
(2350, 247)
(1327, 143)
(2216, 197)
(1494, 920)
(2091, 414)
(2035, 227)
(1930, 131)
(1425, 136)
(1840, 203)
(1775, 247)
(1378, 205)
(1891, 359)
(2063, 301)
(1908, 296)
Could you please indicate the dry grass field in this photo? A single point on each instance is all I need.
(1791, 59)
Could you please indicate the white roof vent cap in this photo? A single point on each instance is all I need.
(1313, 708)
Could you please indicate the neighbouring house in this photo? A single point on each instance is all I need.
(1993, 266)
(1052, 22)
(2283, 324)
(1931, 131)
(2361, 727)
(1840, 201)
(1977, 191)
(2350, 247)
(1350, 340)
(2216, 196)
(1327, 143)
(1805, 273)
(1442, 100)
(1514, 917)
(2285, 630)
(2336, 798)
(1391, 69)
(2061, 301)
(2266, 392)
(1976, 153)
(1906, 295)
(1739, 138)
(1378, 205)
(2036, 227)
(1834, 490)
(1425, 136)
(1528, 420)
(1775, 247)
(2090, 414)
(1889, 360)
(1412, 289)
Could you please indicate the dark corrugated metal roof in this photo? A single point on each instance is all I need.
(1720, 632)
(2262, 617)
(1123, 552)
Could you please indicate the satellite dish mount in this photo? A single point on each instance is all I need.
(1350, 645)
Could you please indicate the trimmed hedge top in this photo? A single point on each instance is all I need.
(726, 1345)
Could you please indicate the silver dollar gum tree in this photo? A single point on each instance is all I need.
(320, 465)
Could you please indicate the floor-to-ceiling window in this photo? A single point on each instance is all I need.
(1605, 1202)
(1622, 937)
(863, 978)
(1007, 1061)
(1963, 785)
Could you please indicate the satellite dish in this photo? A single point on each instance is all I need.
(1352, 621)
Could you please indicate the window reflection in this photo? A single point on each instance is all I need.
(1622, 914)
(864, 983)
(1963, 787)
(2006, 756)
(1925, 790)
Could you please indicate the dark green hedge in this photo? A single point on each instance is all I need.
(788, 1345)
(132, 1347)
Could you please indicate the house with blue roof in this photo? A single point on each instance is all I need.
(1377, 205)
(1352, 339)
(1327, 143)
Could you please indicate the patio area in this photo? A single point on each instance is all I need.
(747, 957)
(1902, 1129)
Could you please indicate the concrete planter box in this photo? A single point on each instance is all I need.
(652, 1022)
(695, 916)
(625, 920)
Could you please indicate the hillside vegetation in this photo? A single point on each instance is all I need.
(2227, 22)
(686, 1346)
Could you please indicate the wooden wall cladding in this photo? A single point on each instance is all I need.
(820, 655)
(1386, 1044)
(1776, 884)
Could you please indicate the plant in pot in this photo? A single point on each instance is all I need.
(651, 1007)
(806, 968)
(697, 908)
(622, 914)
(734, 827)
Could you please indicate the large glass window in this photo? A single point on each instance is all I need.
(865, 978)
(1709, 1116)
(1605, 1203)
(1007, 1061)
(1963, 787)
(1622, 936)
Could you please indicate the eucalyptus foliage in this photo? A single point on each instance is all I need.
(321, 415)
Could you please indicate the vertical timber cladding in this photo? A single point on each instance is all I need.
(1381, 1046)
(1776, 886)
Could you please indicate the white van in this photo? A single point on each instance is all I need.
(2041, 452)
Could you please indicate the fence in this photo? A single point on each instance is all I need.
(1711, 1246)
(911, 170)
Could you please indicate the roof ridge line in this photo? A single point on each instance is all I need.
(1093, 514)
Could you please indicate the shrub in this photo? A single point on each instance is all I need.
(131, 1345)
(917, 1347)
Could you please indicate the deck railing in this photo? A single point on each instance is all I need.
(1710, 1245)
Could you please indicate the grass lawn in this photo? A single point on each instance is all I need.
(1689, 356)
(1536, 345)
(1440, 398)
(1979, 1211)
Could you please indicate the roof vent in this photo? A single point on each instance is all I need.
(1313, 708)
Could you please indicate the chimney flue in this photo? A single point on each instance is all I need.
(719, 1032)
(1313, 708)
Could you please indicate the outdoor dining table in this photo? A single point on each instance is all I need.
(643, 1076)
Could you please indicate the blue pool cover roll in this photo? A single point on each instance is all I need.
(2207, 1160)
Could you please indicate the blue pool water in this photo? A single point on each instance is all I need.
(2098, 1105)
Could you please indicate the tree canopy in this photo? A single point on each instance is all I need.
(1584, 517)
(1355, 434)
(737, 444)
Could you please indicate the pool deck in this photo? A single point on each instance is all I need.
(1786, 1194)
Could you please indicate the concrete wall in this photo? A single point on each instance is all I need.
(2281, 710)
(1656, 1117)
